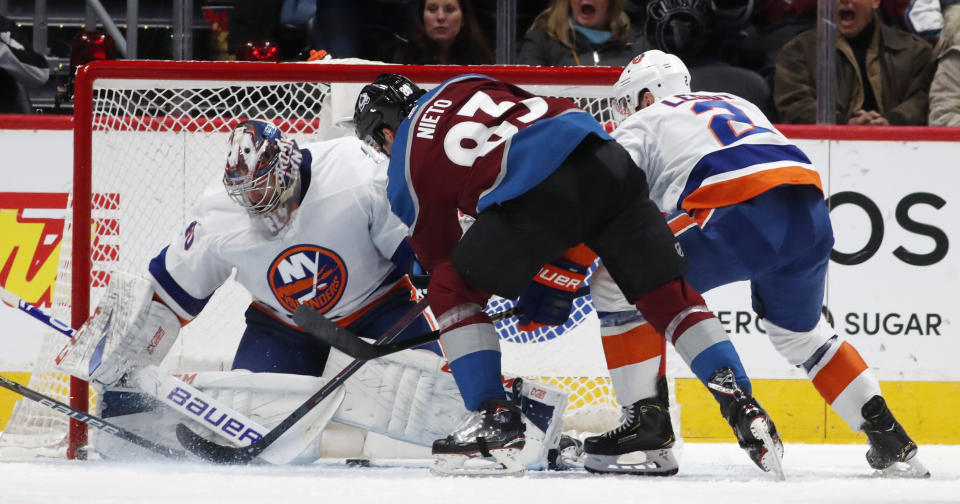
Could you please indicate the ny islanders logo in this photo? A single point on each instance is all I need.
(307, 274)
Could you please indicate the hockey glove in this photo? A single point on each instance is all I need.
(547, 300)
(419, 276)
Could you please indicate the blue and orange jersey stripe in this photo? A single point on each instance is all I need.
(729, 176)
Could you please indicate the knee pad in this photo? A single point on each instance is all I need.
(800, 348)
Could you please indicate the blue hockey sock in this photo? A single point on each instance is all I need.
(478, 377)
(720, 355)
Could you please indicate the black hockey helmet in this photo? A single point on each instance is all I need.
(383, 103)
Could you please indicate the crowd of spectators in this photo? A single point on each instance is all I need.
(762, 50)
(897, 63)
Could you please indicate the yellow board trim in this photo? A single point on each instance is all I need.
(925, 409)
(9, 398)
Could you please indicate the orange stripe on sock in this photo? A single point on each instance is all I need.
(639, 344)
(842, 369)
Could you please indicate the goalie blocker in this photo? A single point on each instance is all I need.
(407, 396)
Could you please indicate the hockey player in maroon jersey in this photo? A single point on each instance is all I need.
(540, 176)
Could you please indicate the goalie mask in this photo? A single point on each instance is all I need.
(655, 71)
(262, 170)
(383, 104)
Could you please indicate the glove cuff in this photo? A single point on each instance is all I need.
(561, 278)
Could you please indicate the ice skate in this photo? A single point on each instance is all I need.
(487, 443)
(751, 424)
(567, 455)
(641, 444)
(892, 453)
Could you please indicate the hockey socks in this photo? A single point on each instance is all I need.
(678, 312)
(717, 356)
(478, 376)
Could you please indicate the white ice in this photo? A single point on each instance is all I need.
(709, 473)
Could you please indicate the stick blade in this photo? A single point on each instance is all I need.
(332, 334)
(209, 450)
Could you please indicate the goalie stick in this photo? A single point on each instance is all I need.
(356, 347)
(14, 300)
(163, 388)
(221, 454)
(91, 420)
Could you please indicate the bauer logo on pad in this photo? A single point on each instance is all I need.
(307, 274)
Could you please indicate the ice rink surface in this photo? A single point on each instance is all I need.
(709, 473)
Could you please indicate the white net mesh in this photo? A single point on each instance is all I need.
(156, 144)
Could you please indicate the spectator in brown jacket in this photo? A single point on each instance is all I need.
(896, 67)
(945, 89)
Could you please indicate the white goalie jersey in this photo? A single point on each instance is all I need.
(333, 255)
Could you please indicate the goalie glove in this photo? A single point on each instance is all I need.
(128, 330)
(547, 300)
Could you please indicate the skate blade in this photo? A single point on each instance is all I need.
(642, 463)
(772, 459)
(911, 469)
(503, 462)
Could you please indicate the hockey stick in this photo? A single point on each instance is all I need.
(166, 389)
(349, 343)
(14, 300)
(515, 311)
(220, 454)
(91, 420)
(356, 347)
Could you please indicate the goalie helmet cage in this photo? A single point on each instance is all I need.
(150, 136)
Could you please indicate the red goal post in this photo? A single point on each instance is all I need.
(115, 111)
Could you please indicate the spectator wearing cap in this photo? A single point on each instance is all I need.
(883, 74)
(581, 32)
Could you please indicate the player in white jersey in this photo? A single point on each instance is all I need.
(310, 226)
(745, 204)
(324, 238)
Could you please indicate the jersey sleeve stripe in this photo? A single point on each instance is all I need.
(183, 304)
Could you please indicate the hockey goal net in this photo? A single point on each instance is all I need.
(150, 136)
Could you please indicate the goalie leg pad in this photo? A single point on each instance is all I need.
(406, 396)
(410, 397)
(267, 398)
(263, 398)
(543, 406)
